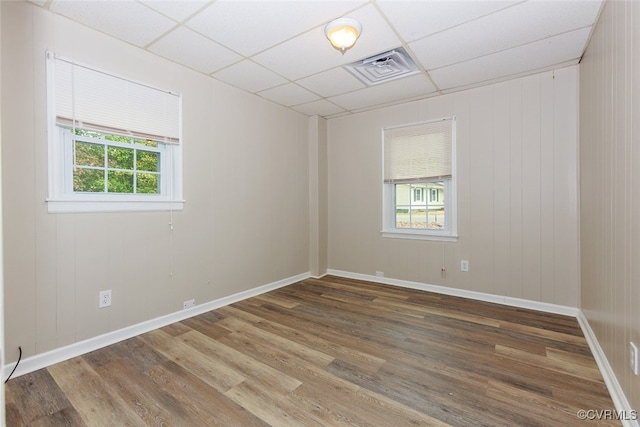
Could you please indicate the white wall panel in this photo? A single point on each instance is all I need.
(501, 190)
(531, 188)
(548, 250)
(481, 191)
(516, 195)
(609, 189)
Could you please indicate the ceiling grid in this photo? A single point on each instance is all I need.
(278, 50)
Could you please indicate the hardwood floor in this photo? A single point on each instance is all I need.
(325, 352)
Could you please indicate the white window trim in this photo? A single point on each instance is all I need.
(64, 200)
(61, 200)
(450, 234)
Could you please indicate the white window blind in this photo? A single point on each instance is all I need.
(419, 152)
(92, 99)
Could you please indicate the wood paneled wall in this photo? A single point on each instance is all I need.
(246, 183)
(610, 187)
(517, 191)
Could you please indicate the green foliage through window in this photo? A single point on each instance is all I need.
(106, 163)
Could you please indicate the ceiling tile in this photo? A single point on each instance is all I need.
(313, 53)
(331, 82)
(249, 76)
(288, 95)
(193, 50)
(530, 57)
(517, 25)
(127, 20)
(407, 88)
(178, 10)
(249, 27)
(417, 19)
(321, 107)
(277, 48)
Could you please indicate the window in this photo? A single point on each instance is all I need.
(106, 163)
(434, 194)
(114, 144)
(418, 194)
(419, 199)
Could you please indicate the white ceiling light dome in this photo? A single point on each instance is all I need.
(343, 33)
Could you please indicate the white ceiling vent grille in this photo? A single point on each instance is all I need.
(383, 67)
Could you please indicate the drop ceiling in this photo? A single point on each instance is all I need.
(277, 49)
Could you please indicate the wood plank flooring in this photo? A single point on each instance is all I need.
(329, 352)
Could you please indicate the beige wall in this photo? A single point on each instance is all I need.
(517, 192)
(2, 353)
(245, 222)
(317, 196)
(610, 187)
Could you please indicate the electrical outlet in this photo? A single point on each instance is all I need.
(188, 304)
(105, 299)
(379, 273)
(633, 358)
(464, 265)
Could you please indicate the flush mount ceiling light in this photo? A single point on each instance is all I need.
(343, 33)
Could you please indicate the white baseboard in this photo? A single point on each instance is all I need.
(615, 390)
(480, 296)
(61, 354)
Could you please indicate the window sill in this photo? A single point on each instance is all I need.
(87, 206)
(414, 235)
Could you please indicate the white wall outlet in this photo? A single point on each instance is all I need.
(633, 358)
(105, 299)
(188, 304)
(379, 273)
(464, 265)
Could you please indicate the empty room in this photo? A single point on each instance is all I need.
(320, 213)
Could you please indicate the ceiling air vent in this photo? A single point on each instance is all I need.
(383, 67)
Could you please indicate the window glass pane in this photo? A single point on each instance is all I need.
(89, 154)
(403, 218)
(88, 180)
(89, 133)
(436, 205)
(403, 205)
(418, 217)
(118, 138)
(120, 182)
(120, 158)
(146, 142)
(147, 183)
(403, 194)
(147, 161)
(415, 211)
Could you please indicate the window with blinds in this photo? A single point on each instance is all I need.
(114, 144)
(418, 159)
(418, 153)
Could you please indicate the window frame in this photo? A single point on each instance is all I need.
(70, 165)
(450, 232)
(61, 197)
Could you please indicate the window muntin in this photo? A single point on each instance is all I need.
(419, 180)
(108, 163)
(416, 213)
